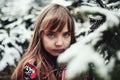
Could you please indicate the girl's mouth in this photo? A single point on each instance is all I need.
(59, 50)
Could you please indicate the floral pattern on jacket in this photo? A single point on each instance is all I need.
(30, 73)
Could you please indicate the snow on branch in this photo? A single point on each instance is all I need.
(80, 54)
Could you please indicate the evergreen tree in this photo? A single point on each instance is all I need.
(16, 28)
(97, 33)
(98, 24)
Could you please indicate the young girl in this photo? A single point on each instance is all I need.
(53, 34)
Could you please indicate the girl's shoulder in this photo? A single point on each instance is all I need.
(30, 72)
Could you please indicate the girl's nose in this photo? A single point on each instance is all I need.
(59, 41)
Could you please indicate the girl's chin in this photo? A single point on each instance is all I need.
(56, 54)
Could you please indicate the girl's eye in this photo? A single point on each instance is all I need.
(67, 34)
(51, 35)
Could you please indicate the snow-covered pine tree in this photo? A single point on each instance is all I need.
(97, 52)
(16, 28)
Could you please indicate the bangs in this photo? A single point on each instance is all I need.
(57, 20)
(54, 24)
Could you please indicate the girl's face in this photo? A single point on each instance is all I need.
(56, 42)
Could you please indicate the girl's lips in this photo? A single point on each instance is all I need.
(59, 50)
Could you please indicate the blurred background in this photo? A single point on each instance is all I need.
(17, 22)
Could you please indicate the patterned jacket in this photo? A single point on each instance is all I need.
(30, 73)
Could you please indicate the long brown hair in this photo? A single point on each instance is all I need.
(52, 17)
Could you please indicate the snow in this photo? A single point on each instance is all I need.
(118, 54)
(62, 2)
(15, 8)
(9, 56)
(80, 54)
(110, 16)
(10, 50)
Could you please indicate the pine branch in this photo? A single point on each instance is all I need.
(101, 3)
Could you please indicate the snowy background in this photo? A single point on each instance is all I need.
(97, 33)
